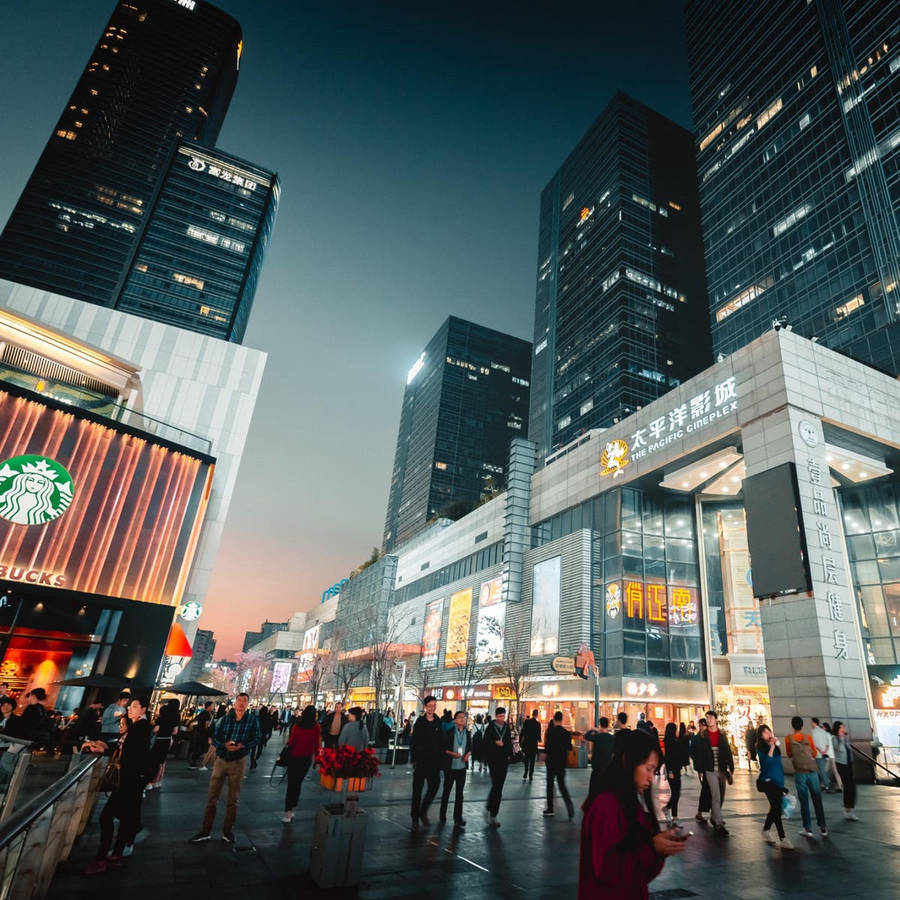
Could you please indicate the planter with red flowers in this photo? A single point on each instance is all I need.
(345, 768)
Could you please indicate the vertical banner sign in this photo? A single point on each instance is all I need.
(281, 678)
(491, 621)
(545, 607)
(458, 629)
(431, 637)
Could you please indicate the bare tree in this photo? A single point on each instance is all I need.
(319, 667)
(251, 671)
(345, 671)
(513, 669)
(470, 674)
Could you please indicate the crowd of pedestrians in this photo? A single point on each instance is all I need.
(625, 836)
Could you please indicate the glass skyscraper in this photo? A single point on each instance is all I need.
(200, 255)
(466, 398)
(621, 306)
(797, 113)
(163, 71)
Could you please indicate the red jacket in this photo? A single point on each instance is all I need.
(606, 871)
(304, 741)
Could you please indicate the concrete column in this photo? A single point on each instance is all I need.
(813, 651)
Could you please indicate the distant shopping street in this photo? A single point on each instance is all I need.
(528, 856)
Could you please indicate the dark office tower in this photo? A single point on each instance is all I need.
(163, 70)
(466, 398)
(798, 140)
(621, 309)
(199, 259)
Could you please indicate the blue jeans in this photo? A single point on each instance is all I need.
(808, 783)
(824, 774)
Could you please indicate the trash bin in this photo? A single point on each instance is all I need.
(335, 859)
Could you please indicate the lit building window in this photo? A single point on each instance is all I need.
(141, 267)
(743, 298)
(440, 465)
(799, 213)
(189, 280)
(768, 114)
(845, 309)
(587, 406)
(563, 422)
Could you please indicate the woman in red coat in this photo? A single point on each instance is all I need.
(303, 743)
(622, 848)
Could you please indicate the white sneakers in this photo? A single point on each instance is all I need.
(768, 837)
(785, 844)
(805, 832)
(850, 816)
(288, 817)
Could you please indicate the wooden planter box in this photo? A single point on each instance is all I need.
(353, 785)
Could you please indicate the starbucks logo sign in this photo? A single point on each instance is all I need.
(34, 490)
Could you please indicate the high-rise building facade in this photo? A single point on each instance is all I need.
(466, 398)
(798, 141)
(163, 71)
(199, 259)
(621, 307)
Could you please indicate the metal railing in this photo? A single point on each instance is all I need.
(40, 835)
(874, 762)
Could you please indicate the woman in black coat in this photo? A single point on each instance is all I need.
(166, 728)
(124, 801)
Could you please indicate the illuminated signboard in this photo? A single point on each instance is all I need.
(215, 168)
(132, 525)
(491, 622)
(545, 607)
(34, 490)
(458, 629)
(281, 678)
(697, 413)
(431, 636)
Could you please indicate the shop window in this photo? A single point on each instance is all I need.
(653, 514)
(658, 668)
(882, 507)
(631, 510)
(874, 612)
(861, 546)
(889, 568)
(682, 573)
(634, 665)
(881, 652)
(866, 572)
(680, 551)
(856, 519)
(679, 520)
(887, 543)
(892, 602)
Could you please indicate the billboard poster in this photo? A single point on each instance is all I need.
(491, 621)
(281, 678)
(88, 507)
(431, 637)
(458, 629)
(545, 607)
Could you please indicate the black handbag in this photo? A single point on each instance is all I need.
(283, 757)
(112, 776)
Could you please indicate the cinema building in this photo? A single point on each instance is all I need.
(735, 544)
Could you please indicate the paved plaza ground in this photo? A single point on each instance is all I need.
(528, 856)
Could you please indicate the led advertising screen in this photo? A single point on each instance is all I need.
(458, 629)
(775, 532)
(92, 507)
(281, 678)
(545, 607)
(431, 637)
(491, 621)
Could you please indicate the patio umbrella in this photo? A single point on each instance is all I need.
(194, 689)
(100, 681)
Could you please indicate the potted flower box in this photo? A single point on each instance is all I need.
(343, 768)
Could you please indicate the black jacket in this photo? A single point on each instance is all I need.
(703, 754)
(450, 745)
(426, 745)
(491, 752)
(558, 743)
(136, 756)
(602, 751)
(530, 736)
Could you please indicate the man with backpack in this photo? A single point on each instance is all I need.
(802, 752)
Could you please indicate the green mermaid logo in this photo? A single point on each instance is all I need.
(34, 490)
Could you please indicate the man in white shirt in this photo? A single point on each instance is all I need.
(824, 752)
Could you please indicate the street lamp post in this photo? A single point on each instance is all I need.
(399, 706)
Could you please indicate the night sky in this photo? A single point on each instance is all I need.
(413, 141)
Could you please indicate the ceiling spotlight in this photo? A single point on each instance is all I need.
(863, 475)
